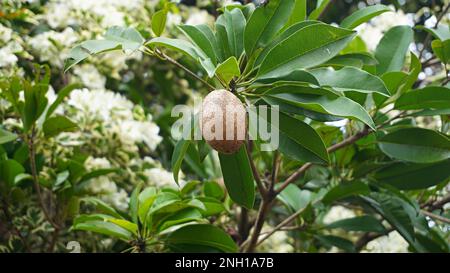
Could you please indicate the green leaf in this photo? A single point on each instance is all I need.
(102, 207)
(331, 240)
(131, 227)
(393, 209)
(299, 12)
(442, 50)
(358, 60)
(233, 22)
(364, 223)
(212, 206)
(281, 37)
(265, 22)
(159, 22)
(227, 70)
(180, 217)
(177, 157)
(63, 93)
(212, 189)
(201, 235)
(9, 169)
(361, 81)
(295, 198)
(56, 125)
(134, 203)
(185, 48)
(435, 97)
(238, 177)
(416, 145)
(410, 176)
(6, 136)
(105, 228)
(442, 32)
(338, 106)
(298, 140)
(308, 47)
(203, 37)
(392, 49)
(126, 39)
(345, 190)
(363, 15)
(320, 8)
(163, 201)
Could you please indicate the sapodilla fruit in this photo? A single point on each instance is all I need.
(223, 121)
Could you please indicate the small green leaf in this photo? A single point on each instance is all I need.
(238, 177)
(345, 190)
(178, 155)
(56, 125)
(227, 70)
(159, 22)
(212, 189)
(9, 169)
(442, 50)
(134, 203)
(6, 136)
(105, 228)
(363, 15)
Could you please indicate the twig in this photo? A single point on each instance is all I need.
(34, 175)
(275, 169)
(259, 184)
(436, 217)
(428, 37)
(281, 225)
(165, 57)
(260, 219)
(368, 237)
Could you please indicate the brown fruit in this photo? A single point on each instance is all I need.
(223, 121)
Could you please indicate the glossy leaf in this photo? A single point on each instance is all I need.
(238, 177)
(265, 22)
(56, 125)
(298, 140)
(126, 39)
(364, 223)
(202, 235)
(6, 136)
(159, 22)
(308, 47)
(177, 157)
(416, 145)
(434, 97)
(442, 50)
(338, 106)
(410, 176)
(392, 49)
(363, 15)
(361, 81)
(233, 23)
(228, 70)
(105, 228)
(203, 37)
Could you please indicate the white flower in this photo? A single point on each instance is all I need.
(337, 213)
(7, 58)
(5, 34)
(53, 46)
(101, 104)
(392, 243)
(90, 76)
(198, 17)
(137, 131)
(160, 177)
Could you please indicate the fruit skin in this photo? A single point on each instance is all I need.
(214, 107)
